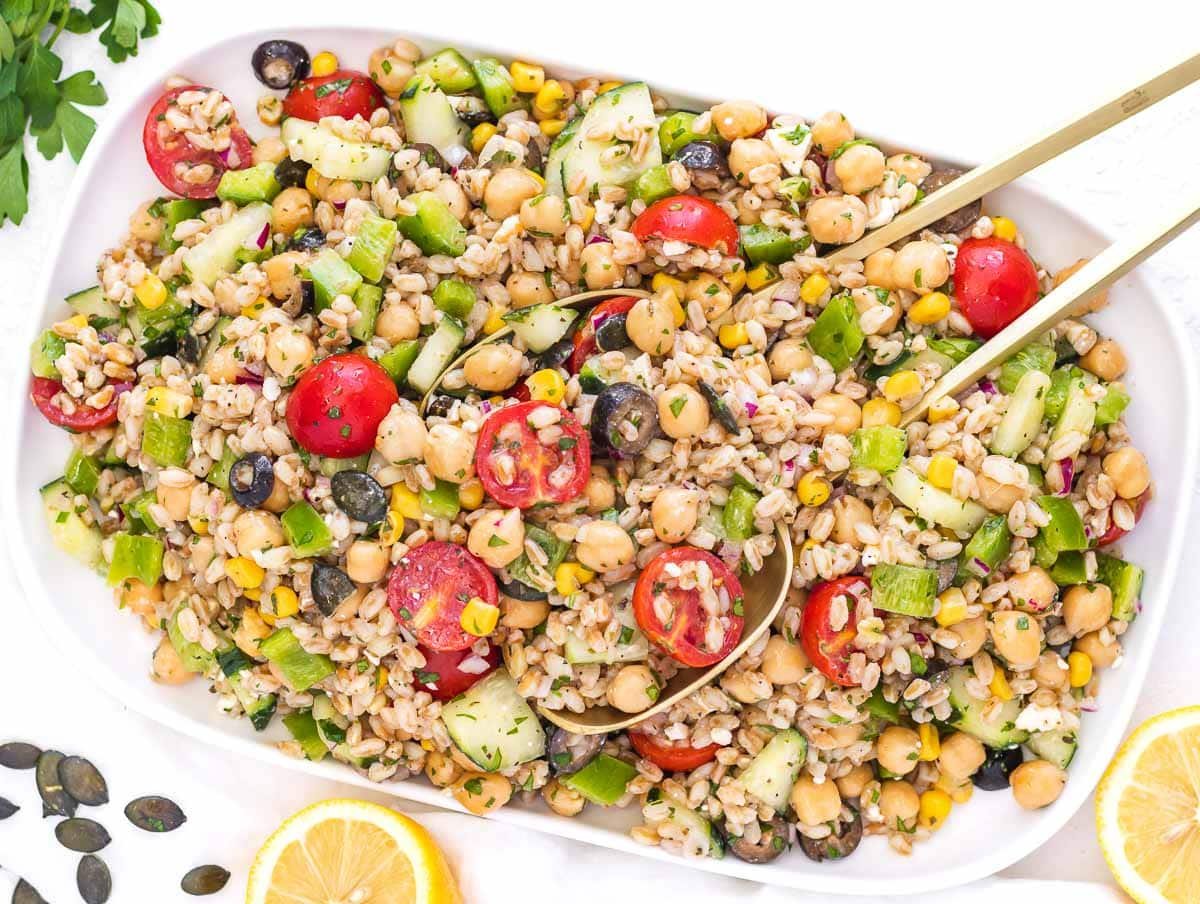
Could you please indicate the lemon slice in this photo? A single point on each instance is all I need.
(1148, 810)
(350, 852)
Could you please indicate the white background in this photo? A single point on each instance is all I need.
(969, 78)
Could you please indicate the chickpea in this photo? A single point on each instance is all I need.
(141, 599)
(788, 356)
(878, 268)
(173, 591)
(498, 537)
(920, 267)
(343, 190)
(865, 300)
(402, 436)
(482, 792)
(1033, 589)
(600, 492)
(847, 416)
(389, 72)
(200, 552)
(853, 783)
(898, 804)
(1037, 784)
(836, 219)
(506, 190)
(524, 615)
(633, 689)
(283, 274)
(735, 119)
(562, 800)
(599, 269)
(674, 513)
(1129, 472)
(291, 210)
(269, 150)
(494, 367)
(223, 366)
(603, 546)
(440, 769)
(971, 635)
(451, 193)
(1106, 360)
(318, 185)
(849, 512)
(714, 296)
(897, 749)
(250, 630)
(961, 755)
(1102, 654)
(1050, 671)
(289, 350)
(1087, 608)
(544, 215)
(651, 326)
(784, 662)
(145, 227)
(406, 50)
(166, 667)
(528, 288)
(815, 803)
(366, 562)
(257, 530)
(1092, 303)
(910, 166)
(177, 500)
(845, 735)
(682, 411)
(995, 496)
(831, 131)
(450, 453)
(747, 154)
(1017, 637)
(280, 499)
(397, 322)
(859, 169)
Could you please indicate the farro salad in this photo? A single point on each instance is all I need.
(339, 443)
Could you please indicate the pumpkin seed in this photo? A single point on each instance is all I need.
(83, 781)
(83, 835)
(57, 801)
(205, 880)
(94, 880)
(155, 814)
(18, 755)
(7, 808)
(25, 893)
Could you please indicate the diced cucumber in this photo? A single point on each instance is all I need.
(541, 325)
(82, 472)
(880, 448)
(585, 160)
(441, 501)
(137, 510)
(1110, 408)
(1069, 568)
(1065, 530)
(299, 667)
(70, 533)
(367, 299)
(259, 710)
(654, 184)
(593, 377)
(1056, 396)
(245, 186)
(602, 781)
(493, 725)
(631, 645)
(454, 297)
(449, 70)
(216, 254)
(175, 211)
(193, 656)
(373, 246)
(904, 589)
(1057, 747)
(773, 771)
(738, 517)
(1035, 356)
(305, 531)
(399, 358)
(987, 548)
(935, 505)
(46, 349)
(688, 819)
(796, 189)
(836, 335)
(953, 350)
(439, 350)
(167, 440)
(1044, 554)
(1023, 419)
(1078, 414)
(333, 157)
(1125, 581)
(157, 330)
(496, 86)
(554, 160)
(91, 303)
(881, 707)
(429, 118)
(434, 228)
(766, 244)
(676, 130)
(303, 728)
(331, 276)
(330, 466)
(135, 556)
(1001, 731)
(554, 548)
(218, 476)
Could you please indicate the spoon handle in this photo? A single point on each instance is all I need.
(1020, 160)
(1099, 273)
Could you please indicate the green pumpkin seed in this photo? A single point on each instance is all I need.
(83, 781)
(56, 800)
(18, 755)
(94, 880)
(83, 835)
(205, 880)
(25, 893)
(155, 814)
(7, 808)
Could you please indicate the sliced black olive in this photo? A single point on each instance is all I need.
(439, 406)
(611, 334)
(557, 354)
(432, 156)
(703, 155)
(279, 63)
(330, 586)
(471, 109)
(772, 843)
(251, 480)
(719, 409)
(533, 157)
(957, 221)
(519, 590)
(188, 350)
(993, 775)
(308, 296)
(312, 239)
(291, 173)
(570, 752)
(617, 407)
(359, 495)
(838, 846)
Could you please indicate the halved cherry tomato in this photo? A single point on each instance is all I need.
(682, 634)
(83, 418)
(346, 93)
(335, 407)
(555, 472)
(995, 282)
(442, 676)
(166, 148)
(429, 588)
(1114, 533)
(673, 757)
(688, 218)
(827, 649)
(584, 339)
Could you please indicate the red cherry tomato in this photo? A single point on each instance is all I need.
(672, 757)
(555, 472)
(346, 93)
(166, 148)
(688, 218)
(827, 649)
(682, 632)
(1114, 533)
(335, 407)
(42, 391)
(443, 678)
(995, 282)
(585, 337)
(430, 587)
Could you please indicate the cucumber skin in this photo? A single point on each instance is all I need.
(773, 771)
(966, 719)
(487, 714)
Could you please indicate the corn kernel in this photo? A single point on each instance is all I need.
(394, 529)
(536, 177)
(406, 503)
(813, 288)
(255, 595)
(808, 544)
(479, 618)
(665, 281)
(960, 790)
(931, 745)
(1079, 668)
(736, 280)
(671, 300)
(1004, 228)
(880, 412)
(941, 471)
(312, 183)
(255, 309)
(813, 489)
(930, 309)
(470, 494)
(495, 319)
(527, 78)
(762, 276)
(587, 217)
(245, 572)
(79, 321)
(570, 576)
(733, 335)
(901, 385)
(999, 686)
(550, 100)
(199, 524)
(324, 63)
(170, 402)
(935, 807)
(381, 678)
(546, 386)
(608, 86)
(942, 410)
(552, 127)
(952, 607)
(480, 135)
(284, 601)
(150, 292)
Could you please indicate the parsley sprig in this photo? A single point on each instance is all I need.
(33, 95)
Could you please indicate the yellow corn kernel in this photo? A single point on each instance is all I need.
(527, 78)
(733, 335)
(665, 281)
(999, 685)
(880, 413)
(808, 544)
(671, 300)
(536, 177)
(470, 494)
(931, 745)
(393, 530)
(245, 572)
(405, 502)
(170, 402)
(570, 576)
(587, 217)
(935, 807)
(255, 309)
(479, 618)
(952, 607)
(381, 678)
(1079, 668)
(942, 410)
(608, 86)
(736, 280)
(480, 135)
(761, 276)
(901, 385)
(284, 601)
(79, 321)
(550, 100)
(199, 524)
(546, 386)
(495, 319)
(150, 292)
(324, 63)
(1004, 228)
(551, 127)
(312, 183)
(941, 471)
(813, 288)
(930, 309)
(813, 489)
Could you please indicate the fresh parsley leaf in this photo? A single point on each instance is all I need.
(124, 21)
(14, 184)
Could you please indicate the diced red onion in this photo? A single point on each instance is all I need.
(790, 464)
(120, 388)
(248, 379)
(751, 409)
(485, 406)
(988, 387)
(982, 566)
(596, 239)
(1066, 467)
(920, 638)
(224, 155)
(1090, 706)
(263, 236)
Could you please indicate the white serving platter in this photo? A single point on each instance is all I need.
(108, 647)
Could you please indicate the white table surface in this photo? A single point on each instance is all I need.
(981, 76)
